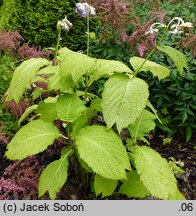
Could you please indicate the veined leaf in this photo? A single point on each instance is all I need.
(123, 100)
(37, 93)
(74, 64)
(48, 111)
(53, 77)
(58, 78)
(87, 114)
(156, 69)
(22, 77)
(96, 105)
(27, 112)
(154, 172)
(51, 99)
(148, 104)
(69, 107)
(176, 196)
(31, 139)
(103, 151)
(84, 165)
(133, 186)
(143, 125)
(81, 121)
(54, 176)
(178, 57)
(104, 186)
(105, 68)
(51, 69)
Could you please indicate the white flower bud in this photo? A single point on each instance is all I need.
(65, 24)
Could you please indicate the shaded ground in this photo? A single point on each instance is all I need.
(74, 189)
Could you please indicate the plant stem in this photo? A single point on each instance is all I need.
(87, 53)
(64, 137)
(88, 34)
(57, 46)
(152, 51)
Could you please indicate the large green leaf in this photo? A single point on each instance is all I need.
(133, 186)
(53, 77)
(143, 125)
(23, 76)
(69, 107)
(74, 64)
(156, 69)
(54, 176)
(154, 172)
(104, 186)
(178, 57)
(103, 151)
(86, 115)
(32, 139)
(176, 196)
(48, 111)
(105, 68)
(123, 100)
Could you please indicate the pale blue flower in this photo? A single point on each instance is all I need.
(84, 9)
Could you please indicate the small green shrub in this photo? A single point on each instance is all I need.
(175, 99)
(98, 148)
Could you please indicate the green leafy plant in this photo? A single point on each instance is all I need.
(7, 67)
(175, 99)
(99, 149)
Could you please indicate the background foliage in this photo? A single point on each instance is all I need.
(36, 21)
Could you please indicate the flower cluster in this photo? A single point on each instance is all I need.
(8, 185)
(20, 179)
(9, 40)
(154, 28)
(84, 9)
(175, 28)
(180, 26)
(65, 24)
(25, 51)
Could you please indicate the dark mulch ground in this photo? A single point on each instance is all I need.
(3, 162)
(74, 189)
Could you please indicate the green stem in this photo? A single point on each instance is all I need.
(88, 45)
(88, 34)
(152, 51)
(57, 46)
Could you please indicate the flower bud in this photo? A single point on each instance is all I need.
(65, 24)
